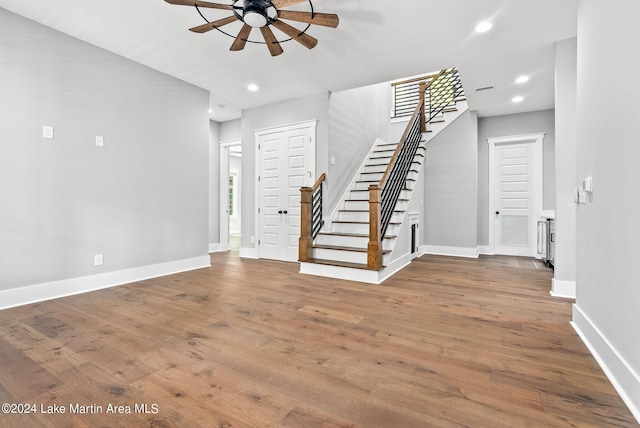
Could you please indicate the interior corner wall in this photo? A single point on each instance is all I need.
(140, 200)
(308, 108)
(507, 125)
(450, 175)
(607, 308)
(357, 117)
(230, 130)
(565, 161)
(214, 182)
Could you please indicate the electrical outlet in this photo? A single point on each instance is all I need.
(253, 240)
(97, 260)
(99, 141)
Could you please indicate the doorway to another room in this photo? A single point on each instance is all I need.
(230, 194)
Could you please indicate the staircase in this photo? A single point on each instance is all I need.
(366, 239)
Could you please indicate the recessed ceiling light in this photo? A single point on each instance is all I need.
(252, 87)
(483, 27)
(522, 79)
(210, 111)
(517, 99)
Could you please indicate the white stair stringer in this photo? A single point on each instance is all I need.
(340, 249)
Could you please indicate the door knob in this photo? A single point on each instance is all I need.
(497, 212)
(280, 212)
(285, 212)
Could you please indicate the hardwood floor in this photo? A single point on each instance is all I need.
(250, 343)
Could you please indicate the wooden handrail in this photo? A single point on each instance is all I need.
(416, 112)
(416, 79)
(319, 181)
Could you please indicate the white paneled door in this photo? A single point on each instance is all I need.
(286, 159)
(515, 182)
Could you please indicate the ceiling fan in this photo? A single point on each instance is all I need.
(263, 14)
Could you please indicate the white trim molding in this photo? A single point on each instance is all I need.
(249, 253)
(564, 289)
(622, 376)
(69, 287)
(438, 250)
(215, 248)
(538, 140)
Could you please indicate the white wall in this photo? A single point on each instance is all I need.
(506, 125)
(313, 107)
(451, 184)
(607, 309)
(357, 117)
(140, 200)
(564, 281)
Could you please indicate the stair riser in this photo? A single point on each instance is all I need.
(392, 229)
(364, 216)
(377, 176)
(345, 256)
(377, 166)
(350, 241)
(365, 186)
(364, 194)
(364, 205)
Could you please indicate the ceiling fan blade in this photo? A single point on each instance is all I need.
(201, 4)
(285, 3)
(304, 39)
(241, 38)
(324, 19)
(215, 24)
(272, 43)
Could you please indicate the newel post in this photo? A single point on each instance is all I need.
(305, 243)
(374, 249)
(423, 120)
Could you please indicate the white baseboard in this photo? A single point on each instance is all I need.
(468, 252)
(485, 249)
(564, 289)
(249, 252)
(216, 248)
(623, 377)
(68, 287)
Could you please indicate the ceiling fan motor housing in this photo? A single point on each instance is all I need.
(256, 13)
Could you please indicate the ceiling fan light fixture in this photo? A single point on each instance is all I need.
(255, 13)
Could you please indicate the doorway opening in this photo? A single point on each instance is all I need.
(230, 195)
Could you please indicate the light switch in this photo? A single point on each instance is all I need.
(47, 132)
(587, 184)
(99, 141)
(333, 160)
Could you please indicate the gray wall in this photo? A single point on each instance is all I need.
(231, 130)
(313, 107)
(514, 124)
(608, 230)
(565, 160)
(356, 118)
(450, 174)
(139, 200)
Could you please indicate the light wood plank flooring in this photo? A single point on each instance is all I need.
(447, 342)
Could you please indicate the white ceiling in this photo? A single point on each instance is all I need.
(376, 41)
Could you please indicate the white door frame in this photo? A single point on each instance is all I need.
(224, 192)
(311, 124)
(537, 139)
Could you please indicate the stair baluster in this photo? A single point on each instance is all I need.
(311, 218)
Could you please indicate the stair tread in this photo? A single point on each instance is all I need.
(382, 172)
(366, 211)
(377, 181)
(340, 264)
(357, 222)
(367, 200)
(341, 248)
(353, 235)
